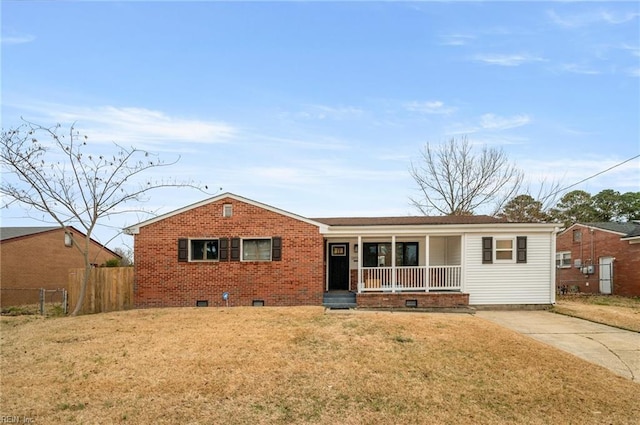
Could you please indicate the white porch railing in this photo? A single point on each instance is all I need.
(419, 278)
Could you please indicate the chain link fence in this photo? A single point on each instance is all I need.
(42, 301)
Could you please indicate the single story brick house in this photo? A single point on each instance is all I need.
(40, 257)
(229, 250)
(600, 258)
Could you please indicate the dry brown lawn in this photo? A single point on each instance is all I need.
(296, 365)
(622, 312)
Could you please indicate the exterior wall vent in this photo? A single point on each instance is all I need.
(258, 303)
(202, 303)
(411, 303)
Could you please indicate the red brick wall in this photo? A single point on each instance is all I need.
(40, 261)
(160, 280)
(377, 300)
(596, 244)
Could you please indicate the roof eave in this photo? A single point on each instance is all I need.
(135, 229)
(374, 230)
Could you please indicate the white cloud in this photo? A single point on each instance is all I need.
(17, 39)
(633, 72)
(456, 39)
(324, 112)
(579, 69)
(507, 59)
(307, 142)
(132, 125)
(497, 123)
(592, 17)
(429, 107)
(487, 126)
(623, 178)
(634, 50)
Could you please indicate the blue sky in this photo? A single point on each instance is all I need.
(319, 108)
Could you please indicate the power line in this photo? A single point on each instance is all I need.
(595, 175)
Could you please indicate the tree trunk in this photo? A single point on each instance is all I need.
(85, 279)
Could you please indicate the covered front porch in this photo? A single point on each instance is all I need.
(395, 264)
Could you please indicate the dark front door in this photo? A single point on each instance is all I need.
(338, 266)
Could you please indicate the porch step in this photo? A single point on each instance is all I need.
(339, 300)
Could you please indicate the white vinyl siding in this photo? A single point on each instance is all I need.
(509, 282)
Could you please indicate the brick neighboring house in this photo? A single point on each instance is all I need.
(260, 255)
(600, 258)
(38, 257)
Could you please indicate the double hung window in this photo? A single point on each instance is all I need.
(563, 259)
(204, 249)
(378, 254)
(256, 250)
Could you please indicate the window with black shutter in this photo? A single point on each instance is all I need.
(183, 249)
(224, 249)
(276, 249)
(521, 243)
(235, 249)
(487, 250)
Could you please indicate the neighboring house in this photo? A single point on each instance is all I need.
(40, 257)
(235, 251)
(599, 258)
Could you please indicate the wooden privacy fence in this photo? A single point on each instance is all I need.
(109, 289)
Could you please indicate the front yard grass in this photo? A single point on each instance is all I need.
(296, 365)
(613, 310)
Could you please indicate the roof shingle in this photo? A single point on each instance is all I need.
(408, 220)
(17, 232)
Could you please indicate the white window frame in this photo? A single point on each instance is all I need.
(242, 250)
(560, 256)
(204, 260)
(227, 210)
(496, 249)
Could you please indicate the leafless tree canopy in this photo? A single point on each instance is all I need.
(455, 180)
(74, 183)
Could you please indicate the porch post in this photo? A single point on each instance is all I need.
(360, 248)
(393, 263)
(426, 264)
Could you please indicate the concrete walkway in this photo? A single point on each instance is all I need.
(616, 349)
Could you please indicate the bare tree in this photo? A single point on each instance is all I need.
(56, 175)
(126, 256)
(455, 180)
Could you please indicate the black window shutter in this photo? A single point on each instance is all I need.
(487, 250)
(235, 249)
(522, 249)
(276, 249)
(224, 249)
(183, 249)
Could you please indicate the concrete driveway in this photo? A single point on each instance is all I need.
(616, 349)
